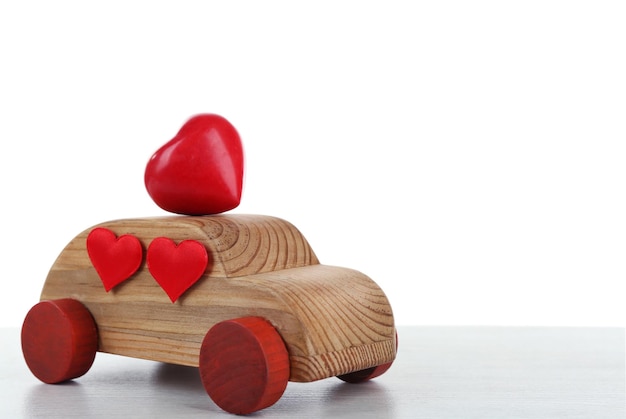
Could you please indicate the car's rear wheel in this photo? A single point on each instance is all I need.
(368, 373)
(244, 365)
(59, 340)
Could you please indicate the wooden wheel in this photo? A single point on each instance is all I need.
(368, 373)
(244, 365)
(59, 340)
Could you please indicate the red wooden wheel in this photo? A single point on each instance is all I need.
(368, 373)
(59, 340)
(244, 365)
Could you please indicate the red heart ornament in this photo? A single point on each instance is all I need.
(176, 267)
(200, 170)
(114, 258)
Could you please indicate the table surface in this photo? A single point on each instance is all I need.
(440, 372)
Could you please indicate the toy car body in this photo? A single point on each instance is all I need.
(262, 274)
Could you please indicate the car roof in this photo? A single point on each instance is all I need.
(238, 244)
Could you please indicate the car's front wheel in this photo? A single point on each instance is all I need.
(244, 365)
(369, 373)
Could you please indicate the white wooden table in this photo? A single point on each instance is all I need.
(441, 372)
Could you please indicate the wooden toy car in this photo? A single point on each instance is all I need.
(262, 312)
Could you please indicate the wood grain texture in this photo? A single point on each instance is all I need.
(333, 320)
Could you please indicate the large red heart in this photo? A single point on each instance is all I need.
(114, 258)
(200, 170)
(176, 267)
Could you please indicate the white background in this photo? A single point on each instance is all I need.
(469, 156)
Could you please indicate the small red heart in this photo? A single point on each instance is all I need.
(176, 267)
(114, 258)
(200, 170)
